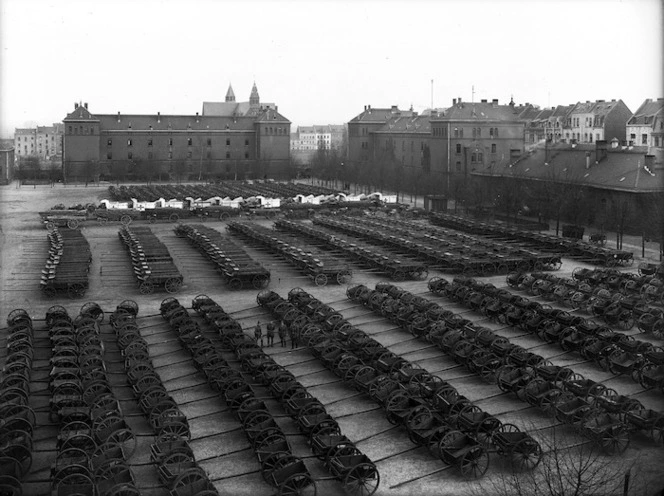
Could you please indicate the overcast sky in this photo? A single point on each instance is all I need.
(320, 61)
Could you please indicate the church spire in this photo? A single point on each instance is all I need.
(254, 99)
(230, 96)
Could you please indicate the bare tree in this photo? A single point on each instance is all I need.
(570, 466)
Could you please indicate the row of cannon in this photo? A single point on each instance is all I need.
(567, 395)
(611, 350)
(153, 265)
(279, 467)
(540, 241)
(318, 265)
(614, 307)
(467, 257)
(364, 254)
(232, 262)
(94, 442)
(432, 411)
(17, 419)
(68, 263)
(170, 452)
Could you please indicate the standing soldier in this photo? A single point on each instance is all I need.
(282, 334)
(258, 333)
(270, 334)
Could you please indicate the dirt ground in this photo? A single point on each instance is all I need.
(404, 468)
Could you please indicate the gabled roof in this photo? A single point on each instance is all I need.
(80, 113)
(645, 114)
(621, 170)
(269, 115)
(562, 110)
(600, 107)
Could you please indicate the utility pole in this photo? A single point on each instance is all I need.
(432, 95)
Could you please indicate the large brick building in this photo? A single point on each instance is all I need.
(231, 140)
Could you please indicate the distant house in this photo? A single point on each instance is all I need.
(646, 126)
(588, 122)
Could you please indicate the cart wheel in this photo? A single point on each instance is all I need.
(152, 219)
(627, 322)
(72, 223)
(50, 226)
(188, 479)
(224, 216)
(614, 440)
(298, 484)
(474, 463)
(125, 220)
(76, 290)
(320, 280)
(173, 285)
(174, 217)
(49, 291)
(274, 461)
(102, 220)
(657, 329)
(657, 429)
(421, 273)
(146, 288)
(526, 454)
(234, 284)
(260, 281)
(344, 277)
(399, 275)
(362, 480)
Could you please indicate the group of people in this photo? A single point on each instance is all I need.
(282, 330)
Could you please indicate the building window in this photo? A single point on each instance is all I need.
(130, 155)
(109, 142)
(209, 154)
(109, 155)
(70, 131)
(458, 148)
(189, 154)
(149, 141)
(228, 154)
(246, 142)
(480, 157)
(473, 156)
(644, 139)
(92, 131)
(228, 142)
(458, 166)
(129, 142)
(188, 141)
(246, 154)
(209, 142)
(170, 141)
(493, 148)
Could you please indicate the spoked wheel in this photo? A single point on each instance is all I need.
(146, 288)
(50, 226)
(260, 281)
(49, 292)
(72, 223)
(75, 291)
(320, 280)
(474, 463)
(174, 217)
(344, 277)
(274, 461)
(125, 220)
(399, 275)
(298, 484)
(235, 284)
(173, 285)
(526, 454)
(615, 439)
(362, 480)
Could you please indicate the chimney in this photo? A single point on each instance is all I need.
(459, 100)
(394, 108)
(600, 150)
(587, 160)
(196, 116)
(86, 105)
(158, 116)
(483, 100)
(75, 105)
(365, 108)
(118, 116)
(453, 101)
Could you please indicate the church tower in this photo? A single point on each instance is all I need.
(254, 99)
(230, 96)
